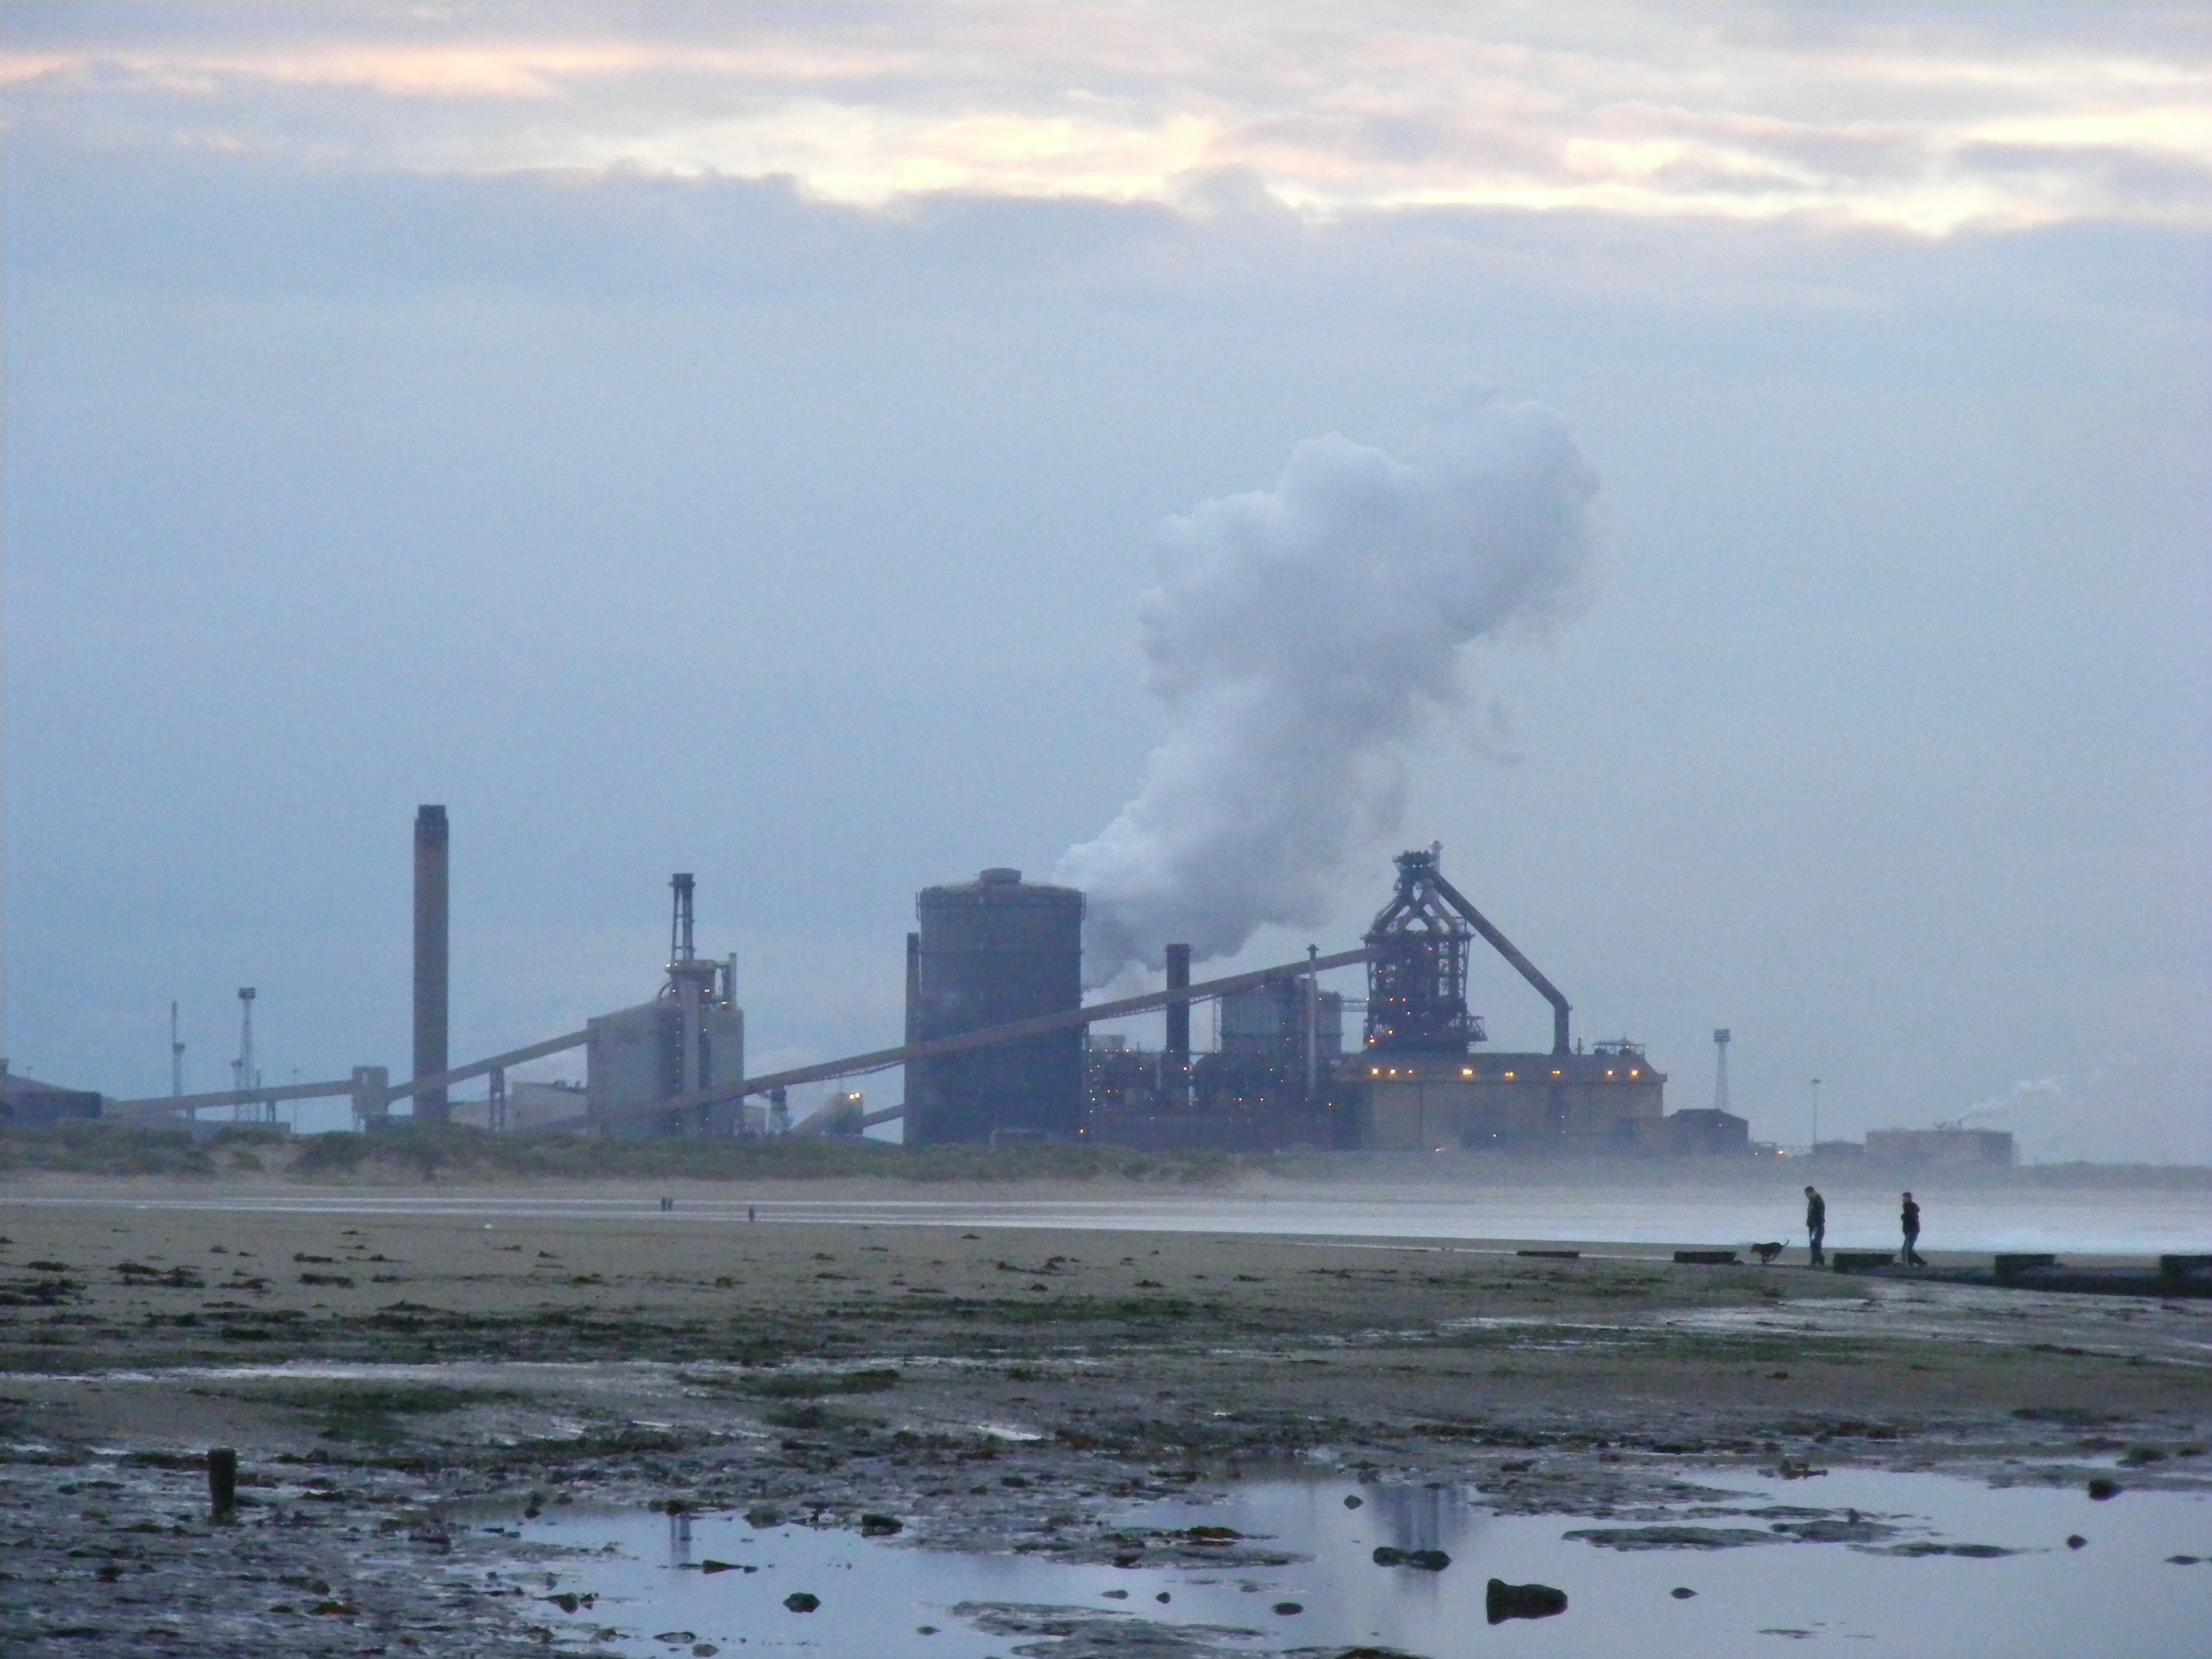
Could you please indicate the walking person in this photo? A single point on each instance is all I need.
(1816, 1224)
(1910, 1216)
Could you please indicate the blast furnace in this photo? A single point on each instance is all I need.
(1426, 1091)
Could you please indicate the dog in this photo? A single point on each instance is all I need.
(1766, 1253)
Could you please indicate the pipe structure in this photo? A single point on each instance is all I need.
(882, 1060)
(1505, 948)
(164, 1106)
(433, 858)
(158, 1107)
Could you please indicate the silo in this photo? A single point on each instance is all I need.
(990, 951)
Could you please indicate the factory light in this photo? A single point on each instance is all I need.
(1467, 1070)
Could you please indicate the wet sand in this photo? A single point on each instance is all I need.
(375, 1369)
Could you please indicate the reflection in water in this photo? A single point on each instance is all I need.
(1953, 1571)
(1430, 1517)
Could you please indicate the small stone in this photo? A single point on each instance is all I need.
(2104, 1488)
(1352, 1500)
(1387, 1555)
(1681, 1593)
(2075, 1540)
(710, 1565)
(925, 1630)
(1286, 1608)
(703, 1650)
(1164, 1596)
(800, 1602)
(880, 1526)
(1115, 1595)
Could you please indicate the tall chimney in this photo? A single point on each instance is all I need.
(431, 860)
(1176, 1062)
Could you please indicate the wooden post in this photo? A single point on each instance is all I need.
(222, 1481)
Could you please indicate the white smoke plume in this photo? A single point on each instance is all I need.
(1295, 638)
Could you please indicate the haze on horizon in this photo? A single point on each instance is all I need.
(684, 437)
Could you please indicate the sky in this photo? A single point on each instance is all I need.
(741, 439)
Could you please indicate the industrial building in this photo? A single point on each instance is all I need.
(689, 1038)
(1609, 1100)
(525, 1107)
(1950, 1145)
(27, 1103)
(998, 950)
(1272, 1084)
(988, 952)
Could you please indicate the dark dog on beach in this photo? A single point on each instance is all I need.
(1766, 1253)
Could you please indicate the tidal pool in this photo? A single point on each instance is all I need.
(1860, 1556)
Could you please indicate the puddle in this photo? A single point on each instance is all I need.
(1887, 1576)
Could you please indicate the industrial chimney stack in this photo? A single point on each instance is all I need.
(432, 856)
(1175, 1080)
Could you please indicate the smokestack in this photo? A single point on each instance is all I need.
(1177, 1061)
(432, 856)
(1179, 1012)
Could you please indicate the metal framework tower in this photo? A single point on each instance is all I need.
(692, 985)
(176, 1056)
(1416, 965)
(1719, 1069)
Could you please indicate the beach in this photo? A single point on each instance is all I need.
(381, 1359)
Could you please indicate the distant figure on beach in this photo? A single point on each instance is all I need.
(1816, 1224)
(751, 1214)
(1910, 1216)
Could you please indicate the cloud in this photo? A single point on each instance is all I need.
(1894, 121)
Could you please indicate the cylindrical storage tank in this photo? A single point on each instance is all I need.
(1257, 1020)
(990, 952)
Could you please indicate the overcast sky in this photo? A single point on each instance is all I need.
(736, 439)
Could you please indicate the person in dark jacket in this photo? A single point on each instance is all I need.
(1816, 1223)
(1910, 1219)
